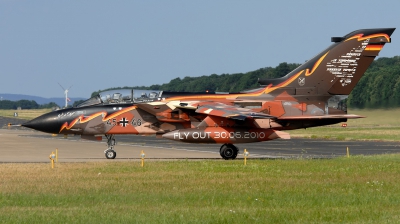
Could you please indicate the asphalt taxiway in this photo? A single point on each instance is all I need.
(32, 146)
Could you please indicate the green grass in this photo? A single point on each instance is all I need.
(378, 125)
(24, 114)
(358, 189)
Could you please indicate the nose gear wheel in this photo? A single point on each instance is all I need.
(109, 152)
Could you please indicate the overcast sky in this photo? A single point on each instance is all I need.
(99, 44)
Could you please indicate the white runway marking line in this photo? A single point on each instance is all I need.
(61, 139)
(194, 150)
(159, 147)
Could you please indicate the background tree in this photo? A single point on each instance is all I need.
(379, 87)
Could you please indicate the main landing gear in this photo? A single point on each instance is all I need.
(228, 151)
(110, 153)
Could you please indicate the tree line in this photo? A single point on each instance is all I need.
(219, 83)
(378, 88)
(24, 104)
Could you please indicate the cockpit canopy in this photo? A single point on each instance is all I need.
(123, 96)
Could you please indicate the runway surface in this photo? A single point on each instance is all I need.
(33, 146)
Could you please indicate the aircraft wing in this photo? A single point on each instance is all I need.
(231, 112)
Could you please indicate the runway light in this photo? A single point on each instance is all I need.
(52, 157)
(245, 154)
(142, 155)
(348, 152)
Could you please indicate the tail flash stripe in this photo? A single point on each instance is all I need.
(291, 79)
(374, 47)
(360, 37)
(283, 84)
(308, 73)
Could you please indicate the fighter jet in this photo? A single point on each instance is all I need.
(311, 95)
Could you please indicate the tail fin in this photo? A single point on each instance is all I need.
(336, 70)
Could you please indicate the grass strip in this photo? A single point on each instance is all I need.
(360, 189)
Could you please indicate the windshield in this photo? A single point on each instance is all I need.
(123, 96)
(92, 101)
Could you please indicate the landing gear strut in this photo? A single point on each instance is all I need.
(228, 151)
(110, 153)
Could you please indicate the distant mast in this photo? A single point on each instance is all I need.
(66, 94)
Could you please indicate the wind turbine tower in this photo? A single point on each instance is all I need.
(66, 94)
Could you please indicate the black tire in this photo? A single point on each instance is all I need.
(228, 151)
(111, 154)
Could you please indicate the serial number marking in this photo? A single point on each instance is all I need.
(136, 123)
(124, 122)
(112, 122)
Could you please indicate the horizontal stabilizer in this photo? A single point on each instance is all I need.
(282, 134)
(334, 116)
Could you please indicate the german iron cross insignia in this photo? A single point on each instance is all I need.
(124, 122)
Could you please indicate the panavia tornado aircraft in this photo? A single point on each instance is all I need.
(311, 95)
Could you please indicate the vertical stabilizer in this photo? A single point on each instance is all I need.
(336, 70)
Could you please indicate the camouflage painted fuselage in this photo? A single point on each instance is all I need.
(309, 96)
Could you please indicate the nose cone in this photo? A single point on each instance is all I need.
(46, 123)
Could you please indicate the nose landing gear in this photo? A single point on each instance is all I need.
(109, 152)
